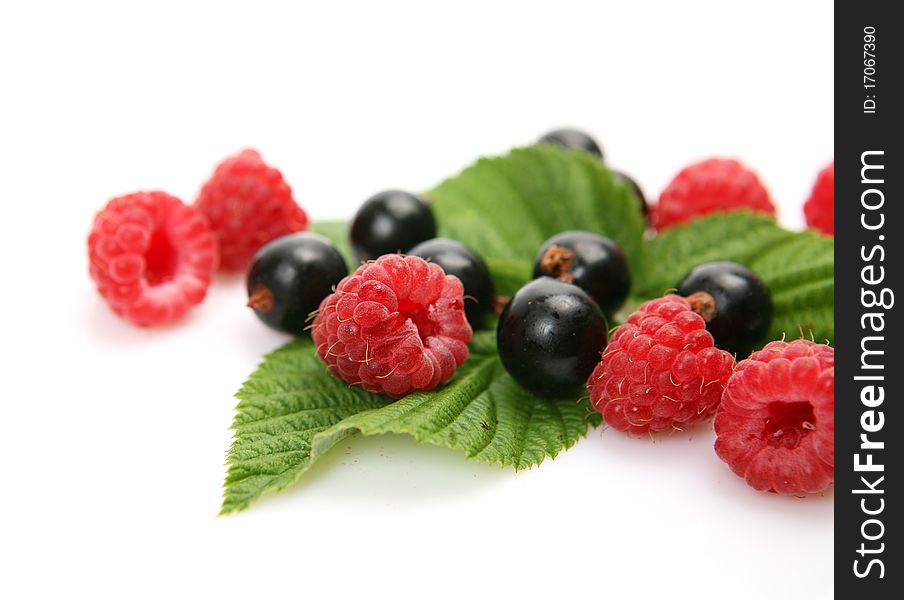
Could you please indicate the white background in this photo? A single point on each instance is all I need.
(113, 438)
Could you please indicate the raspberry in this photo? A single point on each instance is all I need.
(247, 204)
(457, 259)
(820, 206)
(395, 325)
(776, 425)
(151, 256)
(708, 186)
(660, 371)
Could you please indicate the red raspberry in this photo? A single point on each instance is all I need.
(247, 204)
(820, 206)
(151, 257)
(660, 371)
(776, 425)
(395, 325)
(708, 186)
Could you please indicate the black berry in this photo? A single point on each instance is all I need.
(550, 337)
(391, 221)
(734, 302)
(590, 261)
(457, 259)
(290, 276)
(573, 139)
(636, 189)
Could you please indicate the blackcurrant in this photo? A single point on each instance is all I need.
(636, 189)
(550, 336)
(290, 276)
(573, 139)
(391, 221)
(590, 261)
(457, 259)
(734, 302)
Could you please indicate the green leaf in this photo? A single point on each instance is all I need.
(337, 232)
(510, 275)
(506, 207)
(481, 411)
(283, 404)
(797, 267)
(291, 411)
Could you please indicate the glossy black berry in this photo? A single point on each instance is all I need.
(734, 302)
(550, 336)
(457, 259)
(590, 261)
(636, 189)
(290, 276)
(391, 221)
(573, 139)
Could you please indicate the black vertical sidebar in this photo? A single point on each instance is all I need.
(868, 267)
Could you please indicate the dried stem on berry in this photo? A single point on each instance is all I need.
(703, 304)
(499, 303)
(261, 299)
(556, 262)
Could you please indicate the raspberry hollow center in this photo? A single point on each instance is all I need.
(161, 258)
(788, 424)
(419, 315)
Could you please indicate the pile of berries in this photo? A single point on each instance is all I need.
(671, 364)
(153, 257)
(402, 320)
